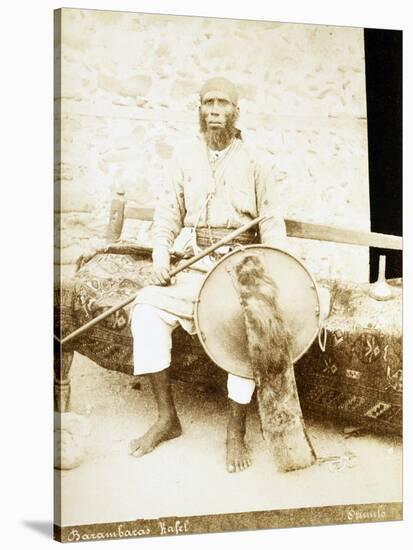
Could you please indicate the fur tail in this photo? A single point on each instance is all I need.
(269, 347)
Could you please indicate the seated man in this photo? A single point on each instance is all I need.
(216, 184)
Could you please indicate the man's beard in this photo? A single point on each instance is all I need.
(220, 138)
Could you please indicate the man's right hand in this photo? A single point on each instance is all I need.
(161, 268)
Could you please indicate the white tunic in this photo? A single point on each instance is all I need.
(232, 190)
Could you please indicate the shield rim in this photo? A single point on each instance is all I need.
(237, 251)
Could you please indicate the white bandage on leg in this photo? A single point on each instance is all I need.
(240, 389)
(152, 338)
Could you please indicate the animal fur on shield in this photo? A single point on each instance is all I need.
(269, 348)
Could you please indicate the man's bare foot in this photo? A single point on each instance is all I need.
(238, 456)
(162, 430)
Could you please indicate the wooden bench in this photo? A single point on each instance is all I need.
(122, 210)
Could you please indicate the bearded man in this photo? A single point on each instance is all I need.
(215, 185)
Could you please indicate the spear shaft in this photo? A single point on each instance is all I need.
(184, 265)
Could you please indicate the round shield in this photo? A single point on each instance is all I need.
(219, 317)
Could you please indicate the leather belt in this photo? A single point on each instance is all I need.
(206, 236)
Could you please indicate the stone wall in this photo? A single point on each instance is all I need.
(130, 90)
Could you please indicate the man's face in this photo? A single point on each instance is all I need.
(216, 108)
(217, 116)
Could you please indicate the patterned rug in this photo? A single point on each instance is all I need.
(357, 379)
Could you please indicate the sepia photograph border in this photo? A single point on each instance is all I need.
(328, 515)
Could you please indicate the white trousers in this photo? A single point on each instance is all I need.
(152, 343)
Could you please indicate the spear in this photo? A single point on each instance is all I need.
(184, 265)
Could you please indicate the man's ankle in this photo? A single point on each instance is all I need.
(236, 425)
(171, 417)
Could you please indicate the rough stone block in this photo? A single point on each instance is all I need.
(139, 85)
